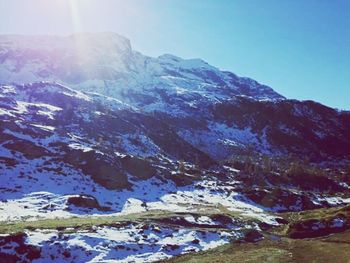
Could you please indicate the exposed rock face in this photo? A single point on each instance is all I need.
(281, 200)
(17, 250)
(85, 201)
(138, 167)
(253, 236)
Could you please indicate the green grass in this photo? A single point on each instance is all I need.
(299, 226)
(322, 215)
(318, 213)
(335, 248)
(87, 222)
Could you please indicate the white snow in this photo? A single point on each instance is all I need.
(82, 147)
(203, 220)
(133, 205)
(44, 127)
(217, 135)
(6, 112)
(130, 243)
(338, 222)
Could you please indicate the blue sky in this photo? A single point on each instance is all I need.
(301, 48)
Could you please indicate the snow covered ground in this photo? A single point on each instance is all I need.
(134, 242)
(145, 195)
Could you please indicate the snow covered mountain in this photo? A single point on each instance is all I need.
(136, 159)
(215, 111)
(105, 63)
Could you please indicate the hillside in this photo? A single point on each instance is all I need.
(107, 154)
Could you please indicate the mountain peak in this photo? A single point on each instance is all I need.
(102, 38)
(184, 63)
(105, 63)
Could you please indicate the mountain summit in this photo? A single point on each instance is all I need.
(106, 63)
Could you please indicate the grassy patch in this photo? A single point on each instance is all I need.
(87, 222)
(317, 213)
(335, 248)
(318, 222)
(332, 248)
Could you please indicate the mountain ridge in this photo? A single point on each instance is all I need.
(121, 66)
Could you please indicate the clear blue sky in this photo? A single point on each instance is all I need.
(301, 48)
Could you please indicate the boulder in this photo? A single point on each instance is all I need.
(85, 201)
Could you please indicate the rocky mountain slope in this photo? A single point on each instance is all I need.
(153, 157)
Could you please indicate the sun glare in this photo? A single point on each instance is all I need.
(74, 9)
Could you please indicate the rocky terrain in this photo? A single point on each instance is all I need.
(110, 155)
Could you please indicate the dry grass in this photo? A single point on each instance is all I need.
(87, 222)
(335, 248)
